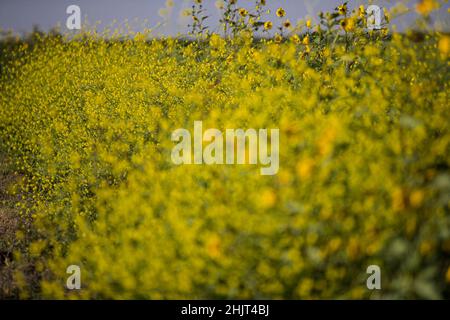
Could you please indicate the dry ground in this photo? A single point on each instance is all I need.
(9, 223)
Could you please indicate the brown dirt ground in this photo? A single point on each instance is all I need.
(9, 223)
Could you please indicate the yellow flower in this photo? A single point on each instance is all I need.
(268, 198)
(213, 246)
(287, 24)
(362, 11)
(296, 39)
(348, 24)
(304, 168)
(342, 9)
(424, 7)
(243, 12)
(139, 36)
(444, 45)
(268, 25)
(416, 198)
(306, 40)
(398, 203)
(308, 23)
(280, 12)
(278, 38)
(216, 42)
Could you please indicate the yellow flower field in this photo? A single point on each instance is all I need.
(364, 163)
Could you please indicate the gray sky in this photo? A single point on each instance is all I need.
(21, 15)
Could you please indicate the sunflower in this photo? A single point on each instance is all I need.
(306, 40)
(281, 13)
(296, 39)
(362, 11)
(243, 12)
(268, 25)
(287, 24)
(342, 9)
(278, 38)
(348, 24)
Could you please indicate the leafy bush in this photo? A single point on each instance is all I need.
(364, 168)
